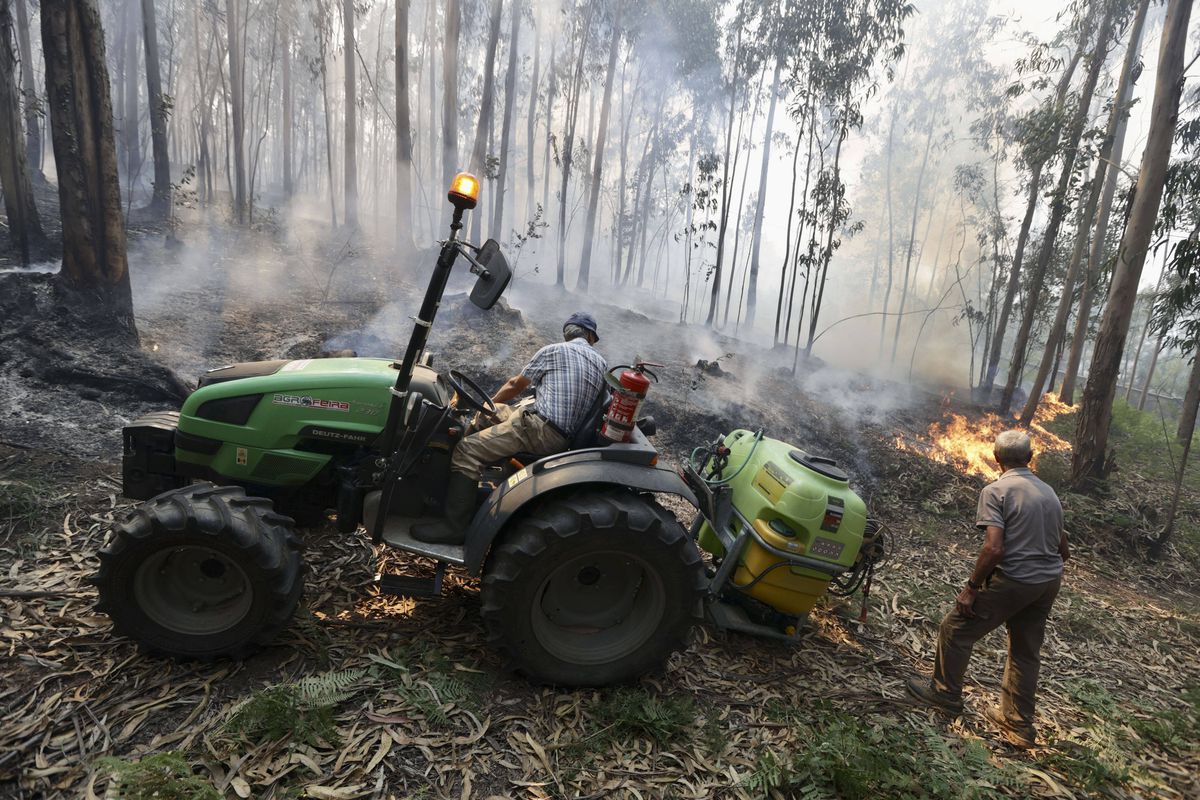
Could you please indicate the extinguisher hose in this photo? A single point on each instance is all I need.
(758, 437)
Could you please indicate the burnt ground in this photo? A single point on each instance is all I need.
(431, 711)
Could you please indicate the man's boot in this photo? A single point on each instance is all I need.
(459, 507)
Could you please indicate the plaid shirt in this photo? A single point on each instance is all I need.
(567, 378)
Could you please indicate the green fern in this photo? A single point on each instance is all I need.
(302, 710)
(162, 776)
(769, 773)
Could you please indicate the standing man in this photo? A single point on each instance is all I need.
(1015, 581)
(567, 377)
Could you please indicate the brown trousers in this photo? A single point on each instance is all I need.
(518, 431)
(1024, 609)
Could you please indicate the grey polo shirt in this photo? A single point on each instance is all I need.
(1029, 512)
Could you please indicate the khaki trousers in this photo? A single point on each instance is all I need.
(519, 430)
(1024, 609)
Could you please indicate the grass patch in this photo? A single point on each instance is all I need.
(1093, 698)
(1087, 768)
(20, 504)
(162, 776)
(1173, 729)
(303, 711)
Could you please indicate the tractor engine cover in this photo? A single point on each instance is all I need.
(806, 524)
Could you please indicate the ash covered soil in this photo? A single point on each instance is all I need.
(424, 707)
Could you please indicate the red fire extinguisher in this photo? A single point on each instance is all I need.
(628, 391)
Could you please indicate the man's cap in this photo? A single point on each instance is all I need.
(585, 321)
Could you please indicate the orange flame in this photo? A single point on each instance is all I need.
(967, 445)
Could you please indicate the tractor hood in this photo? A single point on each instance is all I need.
(246, 419)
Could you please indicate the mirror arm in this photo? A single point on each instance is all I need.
(476, 267)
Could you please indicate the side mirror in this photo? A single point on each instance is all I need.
(494, 275)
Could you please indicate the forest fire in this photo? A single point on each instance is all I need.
(966, 444)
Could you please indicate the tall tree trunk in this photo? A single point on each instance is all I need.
(1187, 428)
(160, 201)
(574, 93)
(1035, 193)
(589, 231)
(1058, 210)
(761, 204)
(404, 150)
(912, 232)
(487, 106)
(1095, 414)
(726, 179)
(350, 145)
(531, 124)
(450, 92)
(89, 191)
(287, 123)
(32, 107)
(510, 96)
(24, 224)
(129, 129)
(1058, 328)
(1158, 346)
(237, 83)
(1120, 118)
(549, 128)
(1191, 399)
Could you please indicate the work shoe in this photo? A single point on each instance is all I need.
(1018, 736)
(461, 493)
(925, 691)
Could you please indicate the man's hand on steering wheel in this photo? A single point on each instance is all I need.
(470, 394)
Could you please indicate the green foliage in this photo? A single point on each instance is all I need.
(162, 776)
(872, 757)
(1092, 697)
(424, 678)
(1177, 730)
(769, 773)
(19, 503)
(634, 713)
(1088, 768)
(302, 710)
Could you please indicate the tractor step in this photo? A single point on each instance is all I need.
(411, 586)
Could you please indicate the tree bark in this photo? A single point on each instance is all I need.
(31, 105)
(450, 92)
(487, 107)
(1158, 346)
(1191, 399)
(236, 100)
(404, 152)
(160, 200)
(1119, 116)
(24, 224)
(531, 125)
(1095, 414)
(350, 145)
(574, 93)
(286, 110)
(589, 231)
(726, 179)
(89, 191)
(760, 206)
(1014, 274)
(129, 123)
(510, 96)
(1058, 210)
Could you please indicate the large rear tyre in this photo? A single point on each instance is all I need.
(201, 572)
(592, 589)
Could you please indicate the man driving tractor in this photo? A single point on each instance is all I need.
(567, 377)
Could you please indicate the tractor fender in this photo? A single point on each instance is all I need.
(554, 474)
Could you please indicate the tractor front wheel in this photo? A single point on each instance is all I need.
(201, 572)
(593, 588)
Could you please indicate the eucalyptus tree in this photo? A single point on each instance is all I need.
(1090, 455)
(24, 224)
(159, 106)
(1073, 143)
(31, 102)
(94, 263)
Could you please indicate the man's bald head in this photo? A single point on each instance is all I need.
(1013, 449)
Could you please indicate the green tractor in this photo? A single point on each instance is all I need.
(586, 579)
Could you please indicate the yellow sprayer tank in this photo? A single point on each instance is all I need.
(807, 523)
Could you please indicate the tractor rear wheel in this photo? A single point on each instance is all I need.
(201, 572)
(592, 588)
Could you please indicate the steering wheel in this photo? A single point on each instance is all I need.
(469, 393)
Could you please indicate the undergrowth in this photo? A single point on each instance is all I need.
(20, 502)
(162, 776)
(424, 678)
(856, 758)
(626, 713)
(303, 711)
